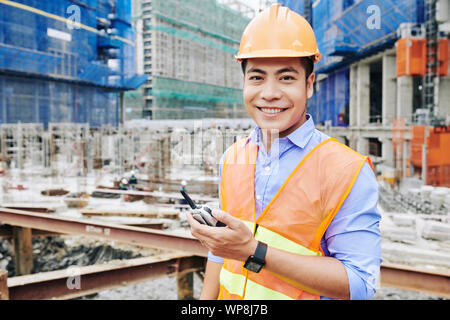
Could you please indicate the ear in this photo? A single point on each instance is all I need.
(310, 85)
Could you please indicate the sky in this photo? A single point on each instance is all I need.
(253, 3)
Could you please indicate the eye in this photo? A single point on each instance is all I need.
(287, 78)
(256, 78)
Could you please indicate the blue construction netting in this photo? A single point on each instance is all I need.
(331, 101)
(54, 71)
(43, 101)
(35, 38)
(346, 27)
(295, 5)
(359, 21)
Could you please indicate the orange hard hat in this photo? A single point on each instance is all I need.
(278, 32)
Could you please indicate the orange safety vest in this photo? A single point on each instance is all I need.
(296, 218)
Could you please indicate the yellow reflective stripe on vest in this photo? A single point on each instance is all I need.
(255, 291)
(234, 283)
(276, 240)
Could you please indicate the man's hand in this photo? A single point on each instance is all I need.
(235, 241)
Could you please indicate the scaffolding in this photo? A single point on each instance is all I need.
(189, 50)
(178, 99)
(22, 144)
(206, 15)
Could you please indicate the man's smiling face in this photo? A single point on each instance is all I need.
(275, 93)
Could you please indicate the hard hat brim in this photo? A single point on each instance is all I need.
(279, 53)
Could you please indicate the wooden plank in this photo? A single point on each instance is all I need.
(142, 214)
(54, 192)
(151, 225)
(4, 292)
(32, 209)
(23, 251)
(159, 194)
(169, 215)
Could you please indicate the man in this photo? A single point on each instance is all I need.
(133, 180)
(123, 184)
(300, 208)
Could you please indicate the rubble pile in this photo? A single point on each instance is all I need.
(414, 201)
(55, 253)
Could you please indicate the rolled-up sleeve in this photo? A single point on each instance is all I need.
(353, 237)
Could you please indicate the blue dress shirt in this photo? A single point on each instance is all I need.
(353, 236)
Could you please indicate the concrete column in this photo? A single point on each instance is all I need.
(363, 95)
(121, 108)
(387, 152)
(405, 156)
(362, 146)
(389, 99)
(353, 141)
(444, 98)
(404, 97)
(353, 110)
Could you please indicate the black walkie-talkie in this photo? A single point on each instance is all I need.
(202, 213)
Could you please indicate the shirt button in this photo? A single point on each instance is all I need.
(267, 169)
(258, 197)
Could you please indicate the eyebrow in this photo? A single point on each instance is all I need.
(289, 69)
(256, 70)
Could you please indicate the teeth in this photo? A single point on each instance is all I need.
(271, 110)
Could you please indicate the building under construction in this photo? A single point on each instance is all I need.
(65, 61)
(187, 51)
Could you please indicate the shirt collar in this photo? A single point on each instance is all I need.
(300, 137)
(303, 134)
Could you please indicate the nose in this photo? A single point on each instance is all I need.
(271, 91)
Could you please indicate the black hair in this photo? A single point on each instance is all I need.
(306, 62)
